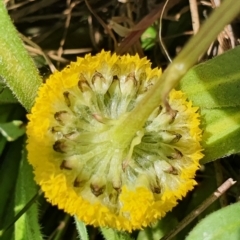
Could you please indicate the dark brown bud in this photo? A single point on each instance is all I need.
(56, 129)
(62, 117)
(84, 86)
(77, 183)
(97, 77)
(156, 189)
(60, 146)
(97, 189)
(175, 155)
(71, 135)
(155, 186)
(172, 170)
(172, 113)
(65, 165)
(66, 96)
(176, 138)
(131, 77)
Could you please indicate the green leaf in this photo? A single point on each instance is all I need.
(5, 112)
(12, 130)
(81, 228)
(27, 226)
(221, 132)
(3, 142)
(148, 38)
(221, 225)
(9, 169)
(111, 234)
(16, 67)
(159, 229)
(214, 87)
(215, 83)
(8, 112)
(6, 95)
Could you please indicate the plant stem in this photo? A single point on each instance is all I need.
(20, 74)
(181, 64)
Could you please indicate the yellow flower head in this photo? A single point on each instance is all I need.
(81, 161)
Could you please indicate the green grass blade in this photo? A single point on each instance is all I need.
(8, 176)
(5, 111)
(82, 230)
(27, 226)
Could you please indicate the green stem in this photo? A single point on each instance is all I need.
(181, 64)
(16, 66)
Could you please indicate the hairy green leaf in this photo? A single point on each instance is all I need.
(214, 87)
(16, 67)
(221, 225)
(6, 95)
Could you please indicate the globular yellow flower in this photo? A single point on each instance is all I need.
(89, 168)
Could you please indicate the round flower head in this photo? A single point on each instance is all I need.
(89, 167)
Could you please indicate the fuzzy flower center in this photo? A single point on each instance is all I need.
(84, 134)
(94, 158)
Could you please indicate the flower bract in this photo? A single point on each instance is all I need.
(89, 167)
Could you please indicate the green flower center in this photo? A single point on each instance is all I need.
(85, 136)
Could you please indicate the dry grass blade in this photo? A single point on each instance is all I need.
(104, 25)
(35, 6)
(140, 27)
(191, 216)
(162, 45)
(69, 9)
(226, 38)
(36, 49)
(195, 16)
